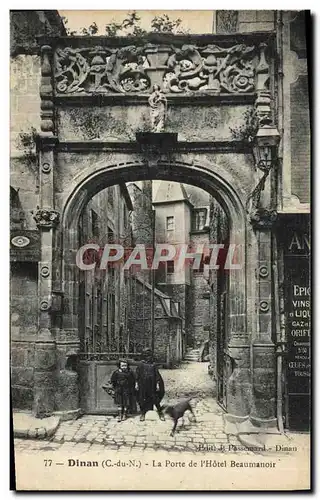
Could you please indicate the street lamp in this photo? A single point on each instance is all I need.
(264, 151)
(265, 142)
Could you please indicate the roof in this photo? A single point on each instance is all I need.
(170, 192)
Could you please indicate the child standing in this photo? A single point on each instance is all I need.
(123, 383)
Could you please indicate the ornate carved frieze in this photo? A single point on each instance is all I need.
(100, 70)
(46, 218)
(133, 69)
(212, 68)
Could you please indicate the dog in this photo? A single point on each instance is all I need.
(177, 411)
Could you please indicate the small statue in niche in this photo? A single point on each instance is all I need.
(158, 105)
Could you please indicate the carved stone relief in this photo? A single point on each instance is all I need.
(46, 218)
(135, 69)
(158, 109)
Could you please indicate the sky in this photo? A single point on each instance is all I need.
(200, 21)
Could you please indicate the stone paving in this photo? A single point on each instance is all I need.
(94, 432)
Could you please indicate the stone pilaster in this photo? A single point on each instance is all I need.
(47, 218)
(45, 352)
(263, 411)
(238, 346)
(67, 340)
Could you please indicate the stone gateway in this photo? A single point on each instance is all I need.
(217, 112)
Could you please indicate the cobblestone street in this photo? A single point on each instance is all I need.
(96, 432)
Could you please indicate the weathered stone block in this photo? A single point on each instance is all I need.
(264, 408)
(265, 15)
(248, 16)
(45, 359)
(263, 382)
(17, 356)
(239, 393)
(263, 359)
(29, 356)
(237, 323)
(265, 289)
(44, 379)
(251, 27)
(43, 404)
(67, 393)
(22, 376)
(22, 397)
(265, 324)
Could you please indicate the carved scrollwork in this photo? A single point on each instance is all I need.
(177, 70)
(100, 70)
(211, 69)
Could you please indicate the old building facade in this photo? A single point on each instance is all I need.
(235, 100)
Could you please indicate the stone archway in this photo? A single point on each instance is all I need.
(237, 352)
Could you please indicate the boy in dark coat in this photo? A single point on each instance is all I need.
(123, 383)
(149, 385)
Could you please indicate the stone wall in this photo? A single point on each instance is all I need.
(105, 212)
(182, 295)
(120, 123)
(166, 327)
(24, 96)
(218, 233)
(244, 21)
(200, 316)
(73, 165)
(199, 296)
(256, 20)
(24, 178)
(293, 110)
(24, 115)
(24, 118)
(142, 215)
(24, 327)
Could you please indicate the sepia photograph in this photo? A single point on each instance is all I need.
(160, 285)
